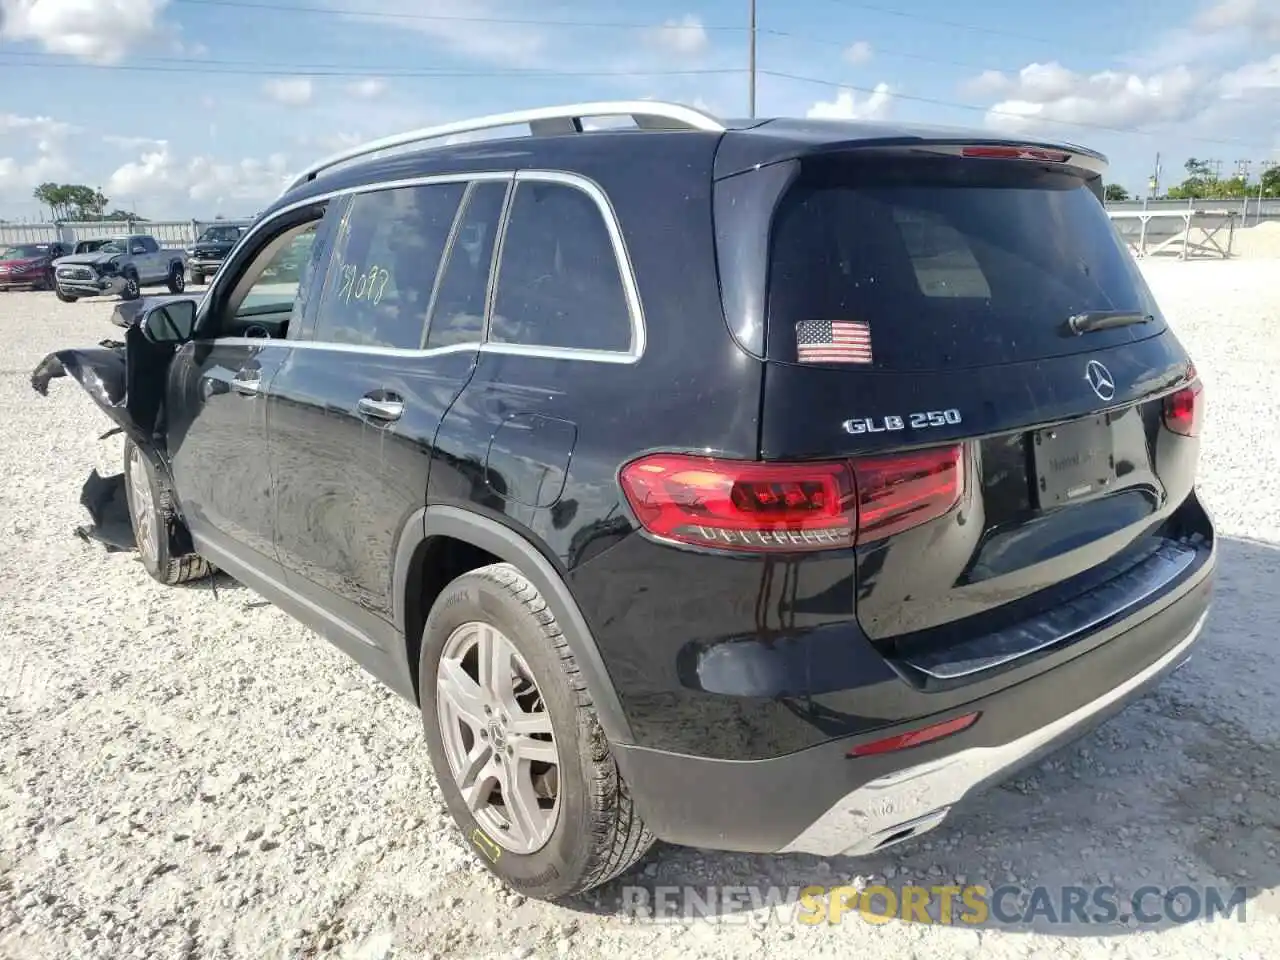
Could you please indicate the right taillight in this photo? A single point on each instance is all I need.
(787, 507)
(1184, 410)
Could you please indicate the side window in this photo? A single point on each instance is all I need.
(149, 244)
(458, 314)
(279, 270)
(386, 253)
(559, 284)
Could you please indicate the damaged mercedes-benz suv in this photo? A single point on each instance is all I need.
(764, 486)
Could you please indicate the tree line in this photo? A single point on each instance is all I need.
(74, 201)
(1202, 184)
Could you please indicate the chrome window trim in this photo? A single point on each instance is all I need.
(630, 286)
(446, 257)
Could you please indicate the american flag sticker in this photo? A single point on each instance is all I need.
(833, 341)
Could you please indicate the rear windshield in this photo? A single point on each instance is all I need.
(946, 263)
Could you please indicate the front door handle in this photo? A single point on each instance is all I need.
(380, 409)
(247, 382)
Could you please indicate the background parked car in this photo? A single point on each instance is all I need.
(121, 265)
(29, 265)
(205, 256)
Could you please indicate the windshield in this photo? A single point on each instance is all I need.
(28, 251)
(89, 246)
(112, 246)
(950, 263)
(221, 234)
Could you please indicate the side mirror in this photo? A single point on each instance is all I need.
(172, 322)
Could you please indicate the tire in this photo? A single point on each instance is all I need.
(155, 522)
(177, 279)
(197, 278)
(596, 832)
(65, 297)
(132, 290)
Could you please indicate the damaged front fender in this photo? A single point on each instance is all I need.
(126, 380)
(101, 370)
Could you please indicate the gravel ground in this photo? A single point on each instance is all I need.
(191, 775)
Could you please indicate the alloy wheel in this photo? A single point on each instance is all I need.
(497, 737)
(142, 506)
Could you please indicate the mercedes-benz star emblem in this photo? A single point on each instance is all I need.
(1099, 377)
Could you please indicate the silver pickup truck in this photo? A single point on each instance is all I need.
(120, 265)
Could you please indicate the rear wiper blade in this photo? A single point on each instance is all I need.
(1093, 320)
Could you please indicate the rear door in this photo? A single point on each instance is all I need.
(920, 323)
(562, 321)
(354, 411)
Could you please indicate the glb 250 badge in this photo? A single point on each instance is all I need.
(923, 420)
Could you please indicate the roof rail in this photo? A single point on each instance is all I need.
(647, 114)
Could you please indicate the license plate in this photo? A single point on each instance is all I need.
(1074, 461)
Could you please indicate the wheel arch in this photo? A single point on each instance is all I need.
(432, 524)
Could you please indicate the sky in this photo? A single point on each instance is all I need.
(197, 108)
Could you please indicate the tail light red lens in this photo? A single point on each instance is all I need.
(1184, 410)
(902, 491)
(787, 507)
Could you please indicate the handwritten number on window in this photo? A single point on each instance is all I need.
(369, 285)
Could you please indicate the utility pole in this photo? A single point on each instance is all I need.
(751, 64)
(1153, 184)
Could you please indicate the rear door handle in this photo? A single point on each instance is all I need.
(380, 409)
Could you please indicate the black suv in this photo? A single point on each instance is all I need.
(205, 256)
(766, 486)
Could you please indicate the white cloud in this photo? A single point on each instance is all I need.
(100, 31)
(18, 178)
(1259, 17)
(43, 127)
(1222, 31)
(848, 106)
(1042, 92)
(368, 88)
(291, 91)
(41, 155)
(685, 37)
(160, 180)
(858, 52)
(132, 143)
(1264, 75)
(519, 45)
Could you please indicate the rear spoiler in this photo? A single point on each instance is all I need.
(753, 151)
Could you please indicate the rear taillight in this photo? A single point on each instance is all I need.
(742, 505)
(902, 491)
(1184, 410)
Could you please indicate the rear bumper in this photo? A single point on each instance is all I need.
(820, 801)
